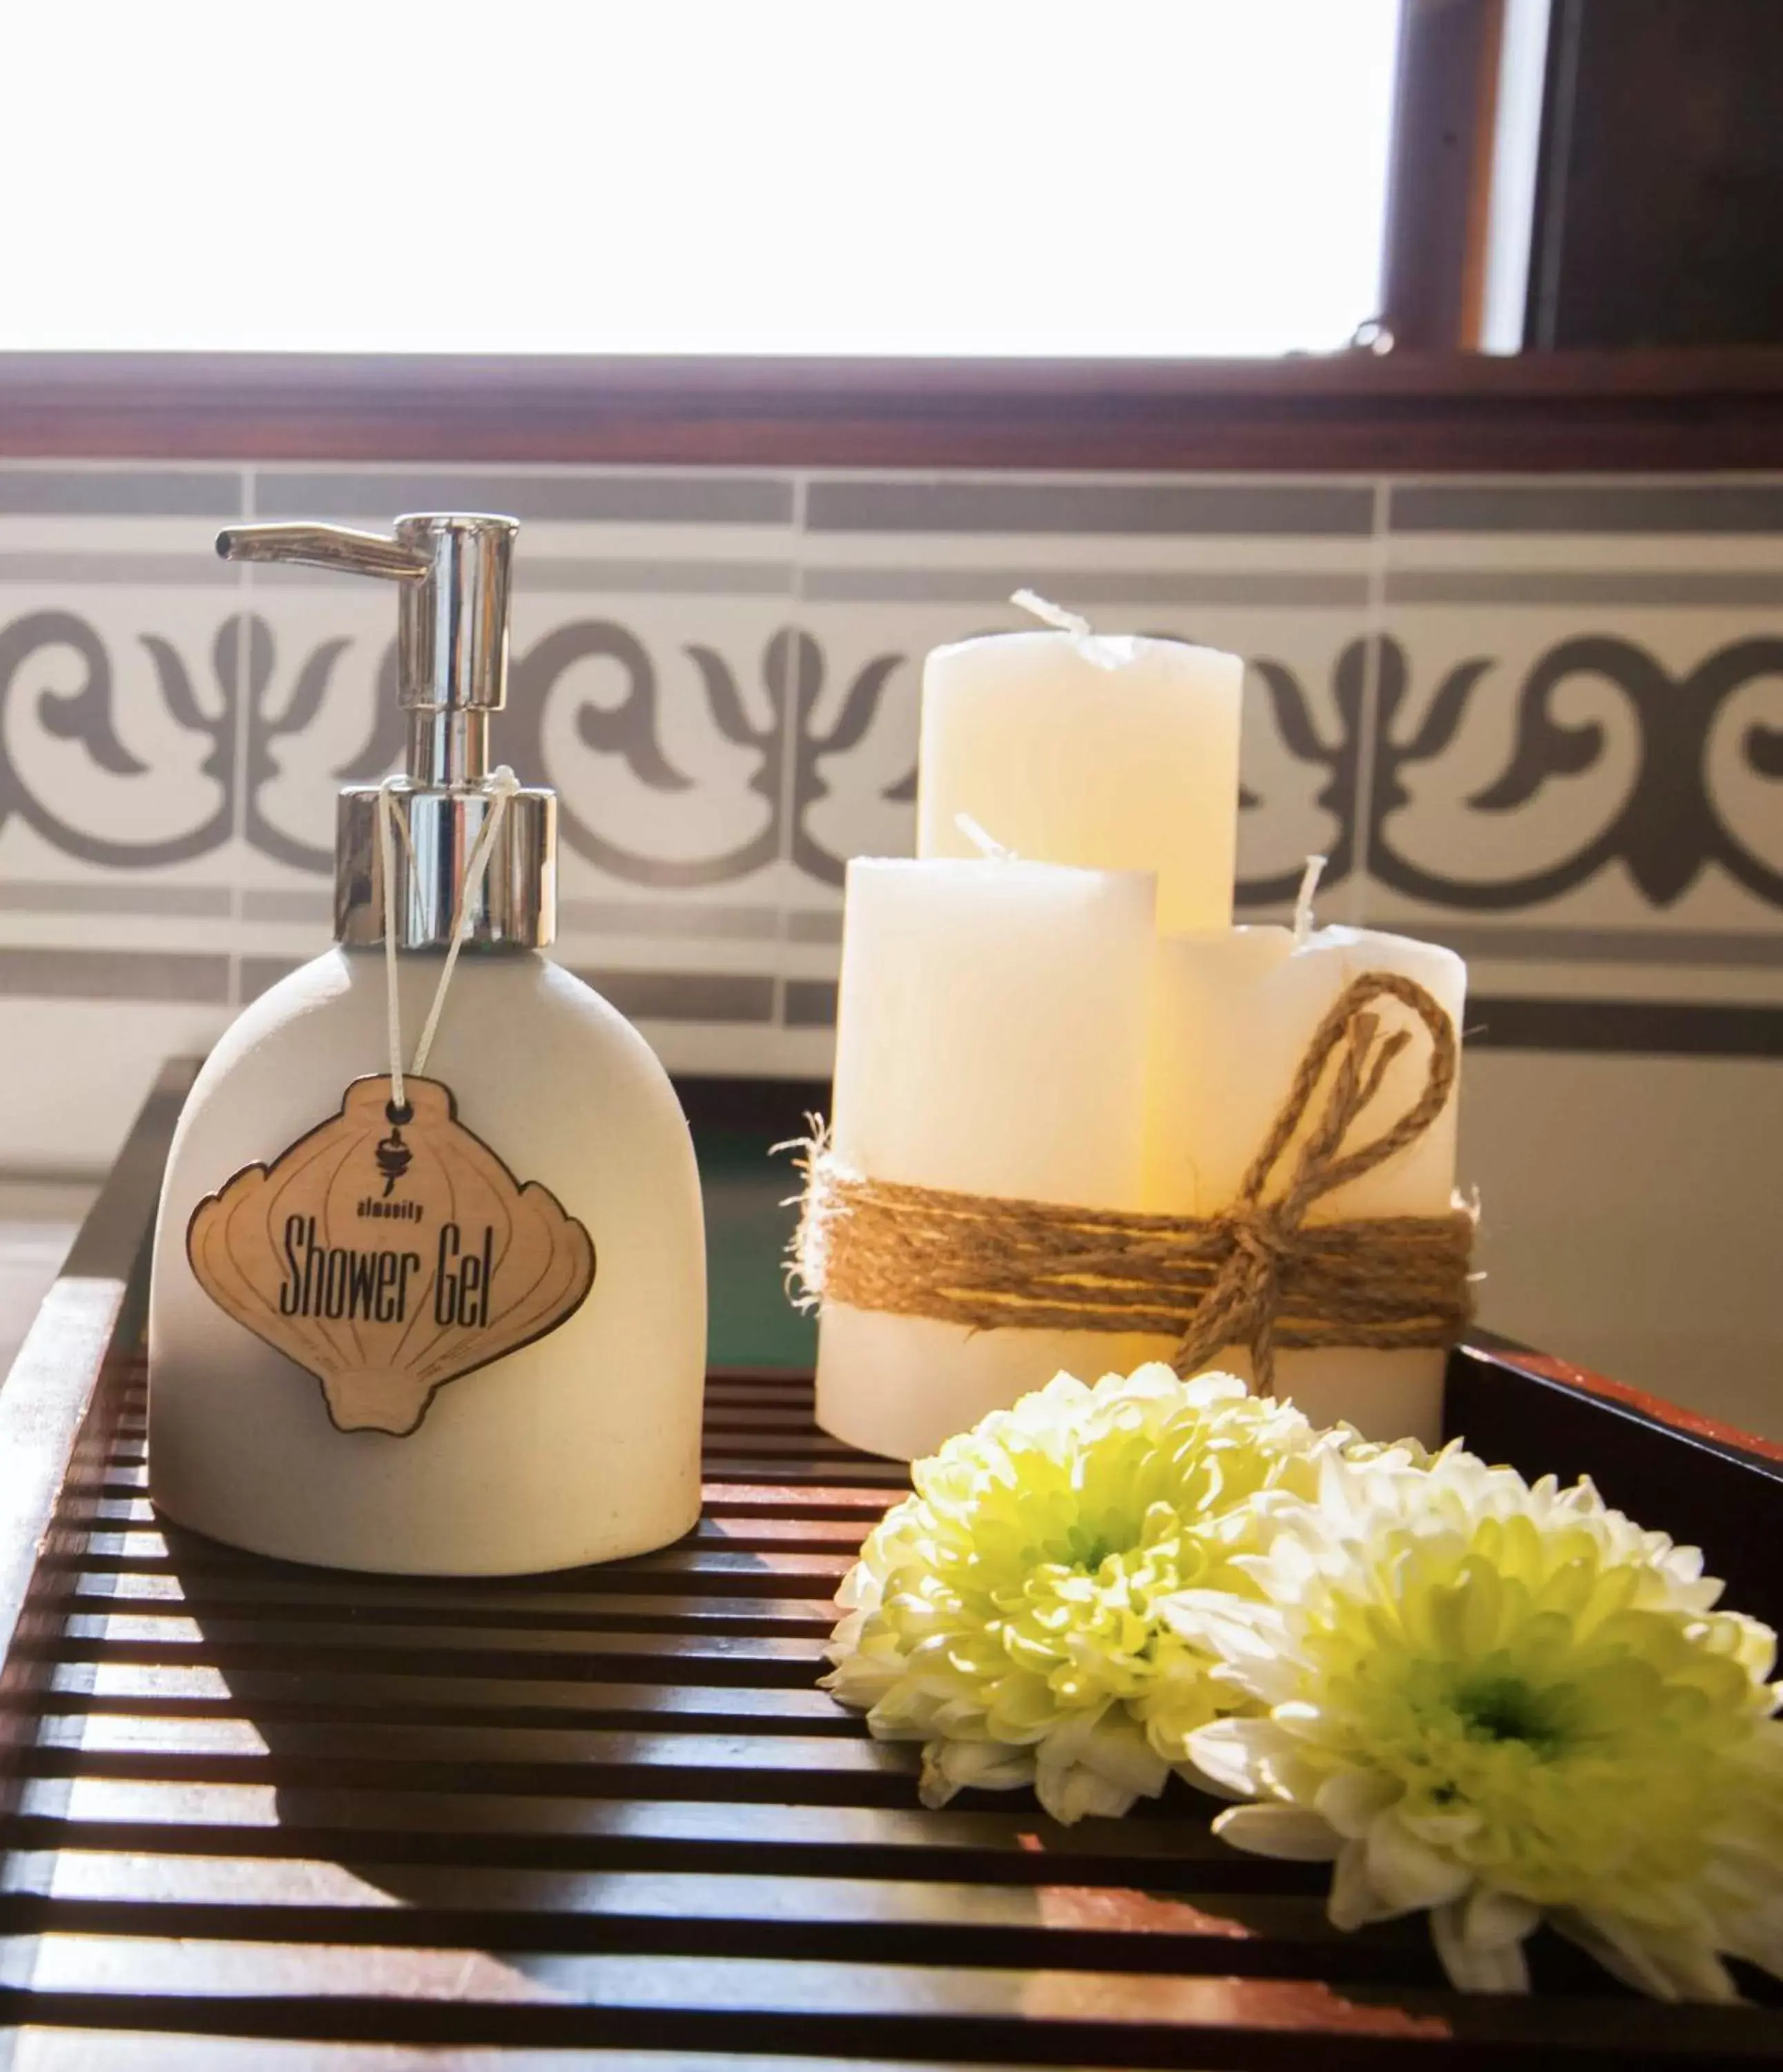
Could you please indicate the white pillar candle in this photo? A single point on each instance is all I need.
(1233, 1015)
(1104, 750)
(991, 1038)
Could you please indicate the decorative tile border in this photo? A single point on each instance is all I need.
(1230, 509)
(1643, 1028)
(1599, 507)
(656, 497)
(120, 492)
(1542, 721)
(113, 974)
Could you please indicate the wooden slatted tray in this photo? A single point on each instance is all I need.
(263, 1816)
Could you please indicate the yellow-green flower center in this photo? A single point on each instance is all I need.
(1019, 1590)
(1520, 1706)
(1500, 1709)
(1088, 1548)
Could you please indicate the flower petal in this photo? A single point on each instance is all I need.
(1672, 1968)
(952, 1766)
(1240, 1631)
(1491, 1918)
(1207, 1391)
(1234, 1754)
(1758, 1938)
(1409, 1874)
(1354, 1901)
(1070, 1791)
(1292, 1833)
(1115, 1748)
(1477, 1967)
(1353, 1798)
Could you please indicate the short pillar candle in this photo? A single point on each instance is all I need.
(1233, 1015)
(1108, 751)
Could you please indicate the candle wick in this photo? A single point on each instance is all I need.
(1052, 614)
(986, 844)
(1303, 901)
(1101, 653)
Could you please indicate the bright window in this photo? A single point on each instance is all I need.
(935, 176)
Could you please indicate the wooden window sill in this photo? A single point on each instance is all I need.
(1624, 411)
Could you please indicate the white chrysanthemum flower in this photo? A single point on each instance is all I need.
(1502, 1703)
(1006, 1615)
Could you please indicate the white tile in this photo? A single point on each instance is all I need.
(37, 1222)
(1628, 1220)
(77, 1071)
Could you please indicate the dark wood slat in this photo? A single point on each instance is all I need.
(789, 1386)
(448, 1650)
(275, 1884)
(723, 1415)
(39, 2049)
(892, 1477)
(729, 1442)
(683, 1912)
(744, 1376)
(794, 1586)
(230, 1598)
(748, 1530)
(201, 1691)
(759, 1398)
(860, 1498)
(708, 1553)
(302, 1756)
(1010, 1843)
(1054, 2016)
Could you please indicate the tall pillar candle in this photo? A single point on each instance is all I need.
(1108, 751)
(992, 1039)
(1233, 1015)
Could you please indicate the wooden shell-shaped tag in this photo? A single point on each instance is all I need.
(389, 1252)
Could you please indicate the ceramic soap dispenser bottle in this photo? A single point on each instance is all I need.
(429, 1288)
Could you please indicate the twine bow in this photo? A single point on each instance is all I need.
(1264, 1239)
(1260, 1274)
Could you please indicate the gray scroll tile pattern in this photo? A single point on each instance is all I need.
(1542, 721)
(1578, 751)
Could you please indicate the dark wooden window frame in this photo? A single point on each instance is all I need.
(1401, 411)
(1439, 188)
(1424, 407)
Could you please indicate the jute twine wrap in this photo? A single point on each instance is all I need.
(1260, 1275)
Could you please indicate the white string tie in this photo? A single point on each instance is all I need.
(502, 785)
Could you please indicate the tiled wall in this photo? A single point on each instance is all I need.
(1542, 721)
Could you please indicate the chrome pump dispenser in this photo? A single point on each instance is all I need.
(452, 570)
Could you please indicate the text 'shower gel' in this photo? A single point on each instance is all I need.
(431, 1299)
